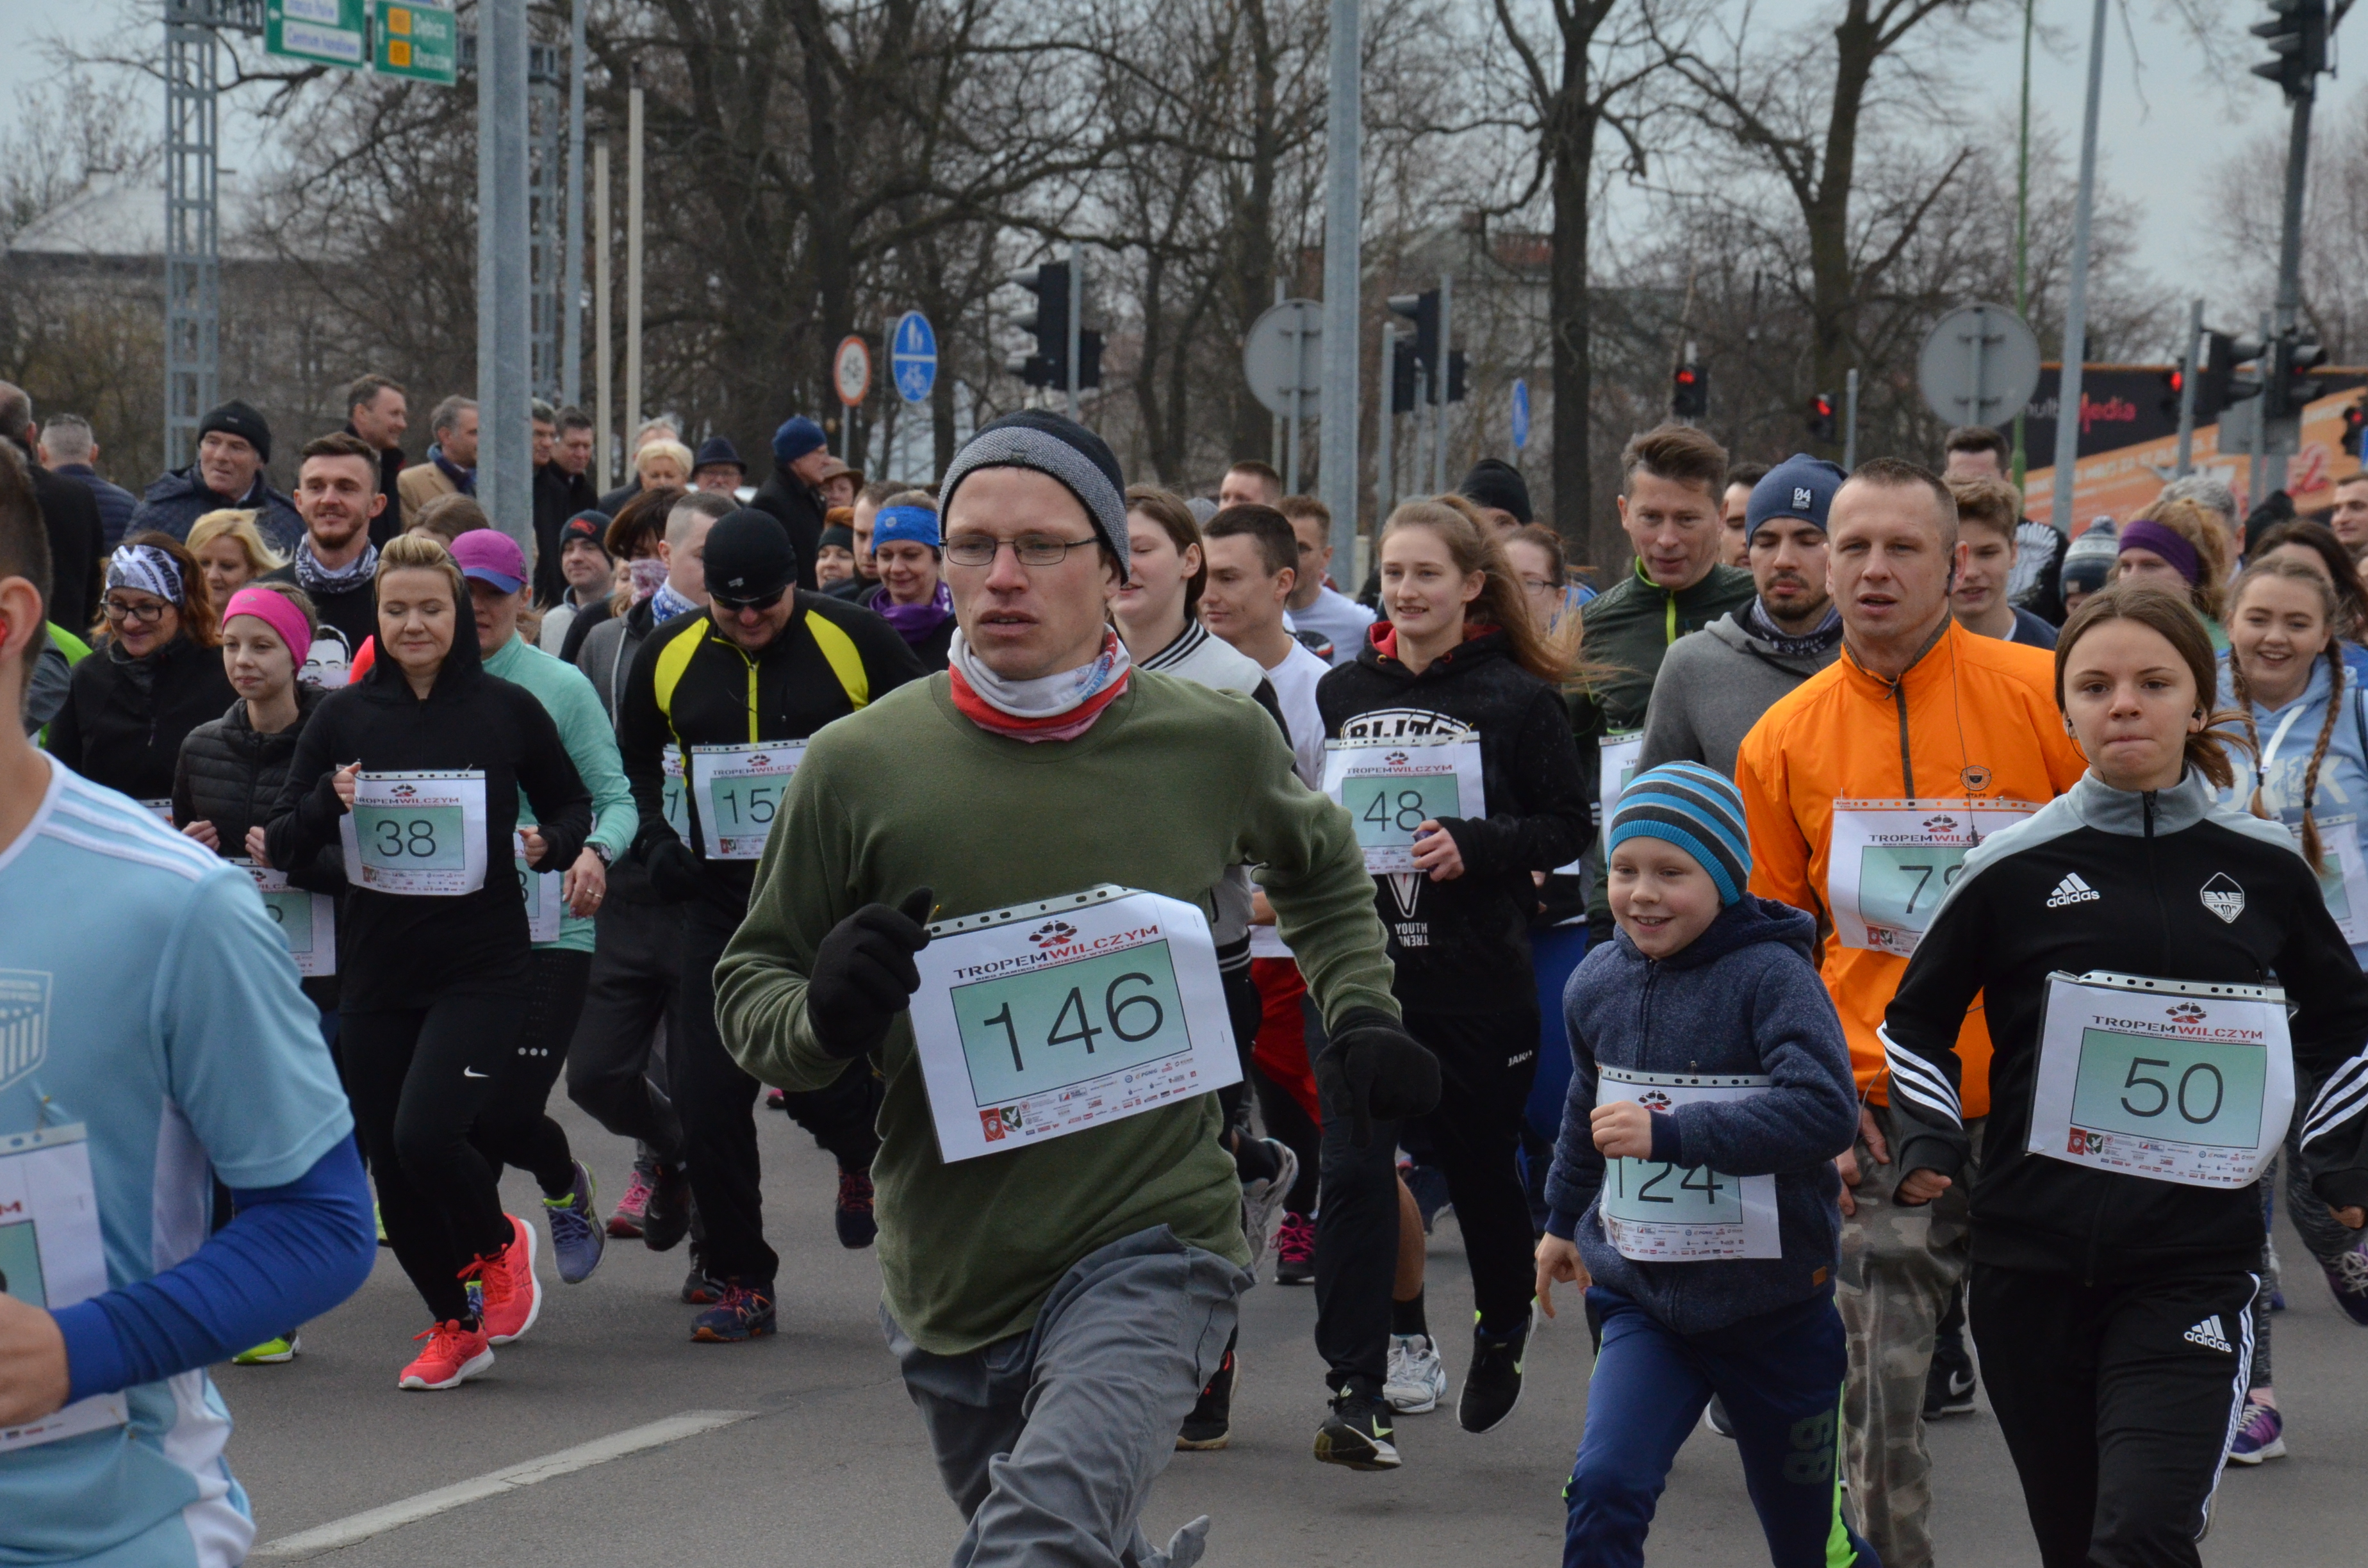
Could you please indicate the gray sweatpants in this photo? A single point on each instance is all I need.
(1049, 1440)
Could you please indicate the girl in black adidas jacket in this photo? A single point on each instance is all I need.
(1458, 656)
(2110, 1306)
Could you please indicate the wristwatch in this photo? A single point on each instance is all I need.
(605, 859)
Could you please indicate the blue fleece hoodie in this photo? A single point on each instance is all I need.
(2341, 801)
(1743, 997)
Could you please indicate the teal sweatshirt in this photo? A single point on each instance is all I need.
(574, 707)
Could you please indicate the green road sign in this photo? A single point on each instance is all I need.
(415, 41)
(328, 32)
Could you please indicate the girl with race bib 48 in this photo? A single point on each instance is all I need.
(2160, 973)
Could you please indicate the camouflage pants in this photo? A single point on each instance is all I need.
(1898, 1266)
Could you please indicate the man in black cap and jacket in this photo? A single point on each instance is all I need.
(560, 493)
(718, 467)
(1498, 488)
(799, 455)
(806, 660)
(233, 445)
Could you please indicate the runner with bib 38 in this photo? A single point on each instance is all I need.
(2148, 1025)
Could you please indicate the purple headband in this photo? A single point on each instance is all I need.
(2167, 542)
(276, 611)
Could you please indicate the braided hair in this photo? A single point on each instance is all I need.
(2330, 607)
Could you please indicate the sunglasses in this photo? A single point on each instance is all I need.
(733, 607)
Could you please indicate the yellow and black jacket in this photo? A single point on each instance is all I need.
(691, 686)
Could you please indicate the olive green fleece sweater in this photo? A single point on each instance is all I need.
(1172, 785)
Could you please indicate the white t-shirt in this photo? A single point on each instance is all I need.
(1294, 681)
(1337, 617)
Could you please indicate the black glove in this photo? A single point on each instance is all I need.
(863, 974)
(1378, 1069)
(674, 870)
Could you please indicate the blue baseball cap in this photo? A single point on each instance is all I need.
(1799, 487)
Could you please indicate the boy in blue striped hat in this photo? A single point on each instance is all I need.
(1693, 1194)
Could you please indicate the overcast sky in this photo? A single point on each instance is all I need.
(2164, 130)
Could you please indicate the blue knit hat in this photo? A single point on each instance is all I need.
(1801, 486)
(1695, 808)
(796, 437)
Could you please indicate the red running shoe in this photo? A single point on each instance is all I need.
(453, 1355)
(512, 1296)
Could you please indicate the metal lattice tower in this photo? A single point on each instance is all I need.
(545, 66)
(193, 212)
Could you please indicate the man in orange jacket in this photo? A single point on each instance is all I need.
(1863, 790)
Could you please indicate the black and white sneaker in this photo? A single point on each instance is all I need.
(1356, 1433)
(1715, 1418)
(1947, 1389)
(1493, 1387)
(1211, 1425)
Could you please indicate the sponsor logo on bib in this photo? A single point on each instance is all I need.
(2223, 897)
(1053, 935)
(1653, 1099)
(2183, 1013)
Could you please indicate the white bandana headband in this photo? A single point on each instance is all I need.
(146, 569)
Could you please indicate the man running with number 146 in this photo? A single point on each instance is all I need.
(1060, 1282)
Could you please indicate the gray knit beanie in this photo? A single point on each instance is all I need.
(1059, 447)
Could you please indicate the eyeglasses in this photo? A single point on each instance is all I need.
(1540, 586)
(733, 607)
(1034, 550)
(120, 610)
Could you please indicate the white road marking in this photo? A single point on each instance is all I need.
(361, 1526)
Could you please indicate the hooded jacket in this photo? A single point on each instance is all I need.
(1463, 945)
(1714, 685)
(398, 952)
(1974, 718)
(1743, 997)
(180, 498)
(125, 719)
(231, 775)
(2342, 786)
(2154, 872)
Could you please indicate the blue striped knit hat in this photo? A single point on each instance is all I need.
(1695, 808)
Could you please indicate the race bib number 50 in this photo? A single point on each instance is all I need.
(1043, 1020)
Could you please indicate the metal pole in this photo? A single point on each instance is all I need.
(1849, 417)
(1443, 380)
(2283, 326)
(1343, 276)
(1418, 429)
(192, 227)
(1077, 308)
(604, 343)
(2022, 225)
(543, 238)
(2255, 474)
(571, 286)
(506, 438)
(633, 269)
(1384, 481)
(2186, 389)
(2075, 300)
(1274, 433)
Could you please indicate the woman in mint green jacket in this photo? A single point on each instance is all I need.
(559, 905)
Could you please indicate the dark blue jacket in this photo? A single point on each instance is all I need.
(1744, 997)
(180, 498)
(116, 503)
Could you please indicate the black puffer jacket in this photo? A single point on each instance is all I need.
(125, 719)
(230, 774)
(1463, 945)
(793, 504)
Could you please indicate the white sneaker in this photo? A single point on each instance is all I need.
(1418, 1378)
(1262, 1200)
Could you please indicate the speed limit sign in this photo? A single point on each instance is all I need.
(850, 371)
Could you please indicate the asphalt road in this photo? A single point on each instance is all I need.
(831, 1468)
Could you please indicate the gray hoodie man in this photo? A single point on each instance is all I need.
(1715, 683)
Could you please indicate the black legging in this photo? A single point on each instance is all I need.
(514, 1128)
(419, 1080)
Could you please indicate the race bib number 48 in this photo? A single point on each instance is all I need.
(1043, 1020)
(1390, 789)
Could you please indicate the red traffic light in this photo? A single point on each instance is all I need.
(1823, 407)
(1686, 377)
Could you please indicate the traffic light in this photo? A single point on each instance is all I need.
(1457, 367)
(1423, 310)
(2287, 386)
(1821, 418)
(2172, 380)
(2297, 34)
(2217, 384)
(2355, 415)
(1089, 358)
(1689, 392)
(1049, 365)
(1402, 375)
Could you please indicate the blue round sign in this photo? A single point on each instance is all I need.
(913, 358)
(1521, 415)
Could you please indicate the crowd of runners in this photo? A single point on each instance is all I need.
(1868, 950)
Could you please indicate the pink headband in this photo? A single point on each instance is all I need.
(275, 612)
(2167, 542)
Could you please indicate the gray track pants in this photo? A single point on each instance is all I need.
(1049, 1440)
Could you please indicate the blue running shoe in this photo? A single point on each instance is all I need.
(2262, 1437)
(577, 1236)
(745, 1312)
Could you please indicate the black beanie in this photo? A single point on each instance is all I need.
(1499, 485)
(749, 555)
(1060, 448)
(239, 419)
